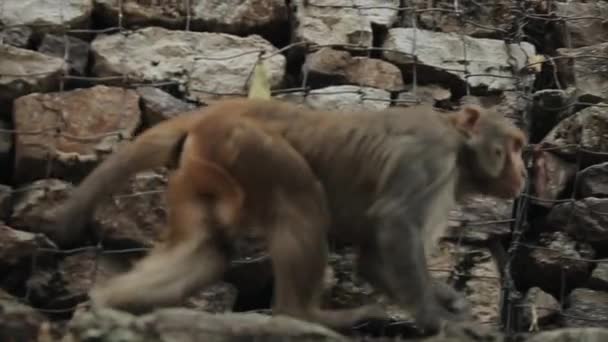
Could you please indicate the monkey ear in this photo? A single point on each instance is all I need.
(467, 119)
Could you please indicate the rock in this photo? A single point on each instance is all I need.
(479, 219)
(218, 298)
(67, 137)
(587, 308)
(77, 54)
(344, 98)
(19, 322)
(158, 105)
(426, 94)
(554, 263)
(19, 36)
(78, 273)
(571, 335)
(538, 308)
(599, 277)
(23, 71)
(6, 144)
(33, 199)
(586, 32)
(137, 214)
(232, 16)
(483, 288)
(6, 197)
(188, 325)
(205, 65)
(440, 57)
(476, 19)
(583, 130)
(590, 75)
(584, 219)
(331, 67)
(326, 22)
(551, 174)
(49, 15)
(593, 181)
(17, 245)
(549, 107)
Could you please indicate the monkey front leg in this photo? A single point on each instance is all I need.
(405, 277)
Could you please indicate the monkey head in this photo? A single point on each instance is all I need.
(491, 157)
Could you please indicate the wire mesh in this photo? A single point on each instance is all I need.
(522, 16)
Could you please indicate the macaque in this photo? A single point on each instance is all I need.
(382, 181)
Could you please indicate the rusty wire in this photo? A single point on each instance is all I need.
(510, 298)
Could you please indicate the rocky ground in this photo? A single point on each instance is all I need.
(78, 78)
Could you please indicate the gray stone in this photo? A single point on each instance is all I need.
(590, 75)
(583, 130)
(332, 67)
(571, 335)
(343, 98)
(324, 22)
(584, 219)
(48, 15)
(444, 53)
(587, 308)
(206, 65)
(589, 31)
(23, 71)
(593, 181)
(159, 105)
(187, 325)
(19, 36)
(77, 54)
(599, 277)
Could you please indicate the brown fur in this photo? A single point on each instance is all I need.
(383, 181)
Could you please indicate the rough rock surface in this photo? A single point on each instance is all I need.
(557, 262)
(444, 53)
(77, 54)
(330, 67)
(205, 65)
(48, 14)
(23, 71)
(480, 218)
(159, 105)
(324, 22)
(585, 219)
(343, 98)
(587, 308)
(593, 181)
(583, 131)
(590, 75)
(232, 16)
(187, 325)
(66, 134)
(588, 31)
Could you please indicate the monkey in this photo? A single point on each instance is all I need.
(383, 181)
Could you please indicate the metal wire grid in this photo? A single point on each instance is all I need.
(510, 295)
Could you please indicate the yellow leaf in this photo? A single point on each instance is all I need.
(260, 85)
(536, 62)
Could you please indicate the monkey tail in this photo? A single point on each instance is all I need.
(155, 147)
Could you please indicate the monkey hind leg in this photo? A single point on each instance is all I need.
(191, 258)
(299, 254)
(163, 278)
